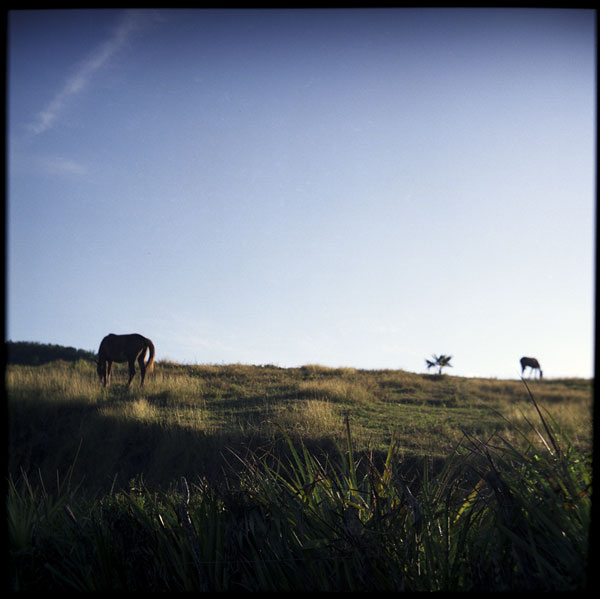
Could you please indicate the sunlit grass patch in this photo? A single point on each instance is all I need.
(312, 370)
(56, 380)
(334, 389)
(566, 417)
(137, 410)
(310, 418)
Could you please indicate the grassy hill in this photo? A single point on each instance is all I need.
(241, 477)
(187, 419)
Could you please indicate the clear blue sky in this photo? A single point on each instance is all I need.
(342, 187)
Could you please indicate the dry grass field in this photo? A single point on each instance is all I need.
(187, 418)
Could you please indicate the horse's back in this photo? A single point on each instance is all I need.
(121, 348)
(129, 339)
(531, 362)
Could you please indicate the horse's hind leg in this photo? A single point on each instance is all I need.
(142, 369)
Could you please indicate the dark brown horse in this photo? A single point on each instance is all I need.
(124, 348)
(532, 363)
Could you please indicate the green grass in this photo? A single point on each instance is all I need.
(262, 478)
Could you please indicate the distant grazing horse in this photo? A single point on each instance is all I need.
(124, 348)
(532, 363)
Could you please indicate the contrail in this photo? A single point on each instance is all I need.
(130, 22)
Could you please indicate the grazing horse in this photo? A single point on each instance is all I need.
(124, 348)
(532, 363)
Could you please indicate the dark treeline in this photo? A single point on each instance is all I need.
(31, 353)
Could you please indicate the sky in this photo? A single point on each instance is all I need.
(346, 187)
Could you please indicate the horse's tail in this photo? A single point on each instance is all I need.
(150, 363)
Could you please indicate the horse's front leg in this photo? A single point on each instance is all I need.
(106, 373)
(131, 371)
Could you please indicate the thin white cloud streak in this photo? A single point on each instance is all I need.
(129, 23)
(58, 165)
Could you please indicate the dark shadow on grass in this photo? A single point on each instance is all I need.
(103, 450)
